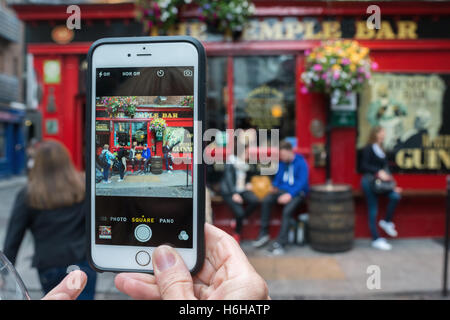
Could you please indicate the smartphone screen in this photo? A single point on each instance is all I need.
(143, 156)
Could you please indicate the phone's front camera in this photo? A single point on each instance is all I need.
(129, 55)
(143, 48)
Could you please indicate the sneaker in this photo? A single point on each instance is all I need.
(170, 171)
(119, 180)
(170, 167)
(381, 244)
(261, 241)
(277, 249)
(389, 228)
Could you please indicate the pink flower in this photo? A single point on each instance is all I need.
(374, 65)
(317, 67)
(324, 76)
(345, 61)
(367, 75)
(307, 52)
(336, 75)
(304, 90)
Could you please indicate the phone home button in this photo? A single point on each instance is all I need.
(143, 233)
(142, 258)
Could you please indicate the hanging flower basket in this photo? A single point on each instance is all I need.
(114, 105)
(225, 16)
(337, 68)
(188, 101)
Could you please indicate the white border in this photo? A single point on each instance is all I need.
(115, 257)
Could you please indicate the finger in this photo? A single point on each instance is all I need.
(172, 275)
(70, 288)
(138, 286)
(222, 251)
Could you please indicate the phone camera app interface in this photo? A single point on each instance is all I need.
(144, 156)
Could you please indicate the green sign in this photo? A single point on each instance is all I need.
(343, 118)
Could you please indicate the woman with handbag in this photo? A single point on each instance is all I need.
(377, 180)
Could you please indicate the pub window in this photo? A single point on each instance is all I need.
(122, 134)
(2, 140)
(102, 133)
(139, 133)
(264, 93)
(216, 114)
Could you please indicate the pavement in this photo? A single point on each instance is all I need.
(174, 184)
(413, 269)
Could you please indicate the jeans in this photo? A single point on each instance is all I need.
(167, 159)
(288, 210)
(135, 162)
(372, 204)
(121, 170)
(106, 167)
(238, 209)
(51, 277)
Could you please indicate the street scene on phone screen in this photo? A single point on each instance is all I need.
(143, 146)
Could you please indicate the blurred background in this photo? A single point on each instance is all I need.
(257, 53)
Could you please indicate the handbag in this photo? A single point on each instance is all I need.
(382, 186)
(261, 186)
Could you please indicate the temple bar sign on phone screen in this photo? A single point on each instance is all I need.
(145, 117)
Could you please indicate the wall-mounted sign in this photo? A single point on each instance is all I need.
(101, 126)
(62, 35)
(414, 110)
(264, 107)
(52, 71)
(309, 28)
(51, 126)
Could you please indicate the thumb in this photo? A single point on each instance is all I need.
(172, 275)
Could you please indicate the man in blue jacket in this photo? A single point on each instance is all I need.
(146, 156)
(289, 188)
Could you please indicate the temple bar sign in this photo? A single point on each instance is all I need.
(307, 29)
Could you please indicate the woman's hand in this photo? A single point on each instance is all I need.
(237, 198)
(226, 274)
(383, 175)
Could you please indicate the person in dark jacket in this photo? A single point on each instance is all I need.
(289, 188)
(236, 189)
(166, 149)
(52, 207)
(122, 165)
(373, 163)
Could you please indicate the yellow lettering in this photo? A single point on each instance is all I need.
(269, 32)
(417, 159)
(406, 30)
(385, 31)
(309, 31)
(403, 159)
(331, 30)
(444, 156)
(293, 29)
(362, 32)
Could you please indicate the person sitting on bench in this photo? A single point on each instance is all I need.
(289, 188)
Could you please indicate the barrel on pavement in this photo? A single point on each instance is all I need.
(156, 165)
(331, 218)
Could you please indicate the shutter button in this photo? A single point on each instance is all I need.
(143, 233)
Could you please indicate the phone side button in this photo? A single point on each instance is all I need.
(143, 258)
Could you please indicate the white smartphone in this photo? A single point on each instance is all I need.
(145, 175)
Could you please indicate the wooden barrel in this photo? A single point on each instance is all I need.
(156, 165)
(331, 218)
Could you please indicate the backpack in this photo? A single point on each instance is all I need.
(102, 158)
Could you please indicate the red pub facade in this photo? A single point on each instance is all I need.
(268, 60)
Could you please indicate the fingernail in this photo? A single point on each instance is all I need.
(164, 258)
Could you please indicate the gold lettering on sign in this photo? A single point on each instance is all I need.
(271, 31)
(331, 29)
(406, 30)
(385, 31)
